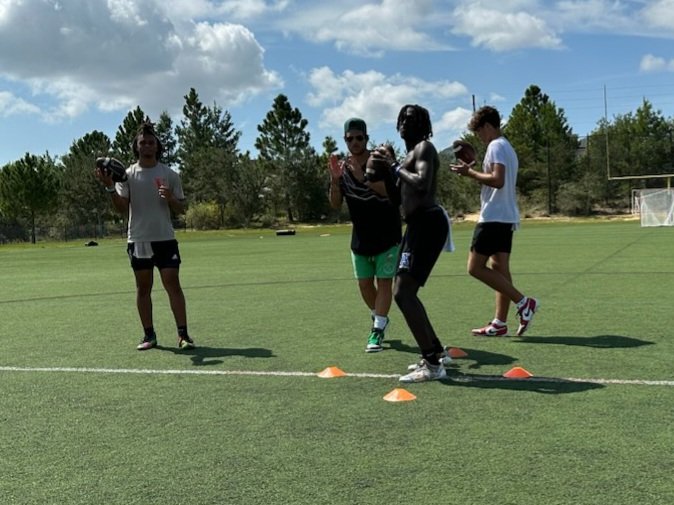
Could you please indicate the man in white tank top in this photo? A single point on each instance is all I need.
(489, 258)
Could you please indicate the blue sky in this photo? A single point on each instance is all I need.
(68, 67)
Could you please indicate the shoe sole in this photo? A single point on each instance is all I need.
(374, 349)
(522, 330)
(146, 347)
(444, 376)
(476, 334)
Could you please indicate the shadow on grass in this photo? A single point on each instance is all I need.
(479, 356)
(206, 356)
(598, 341)
(398, 345)
(545, 385)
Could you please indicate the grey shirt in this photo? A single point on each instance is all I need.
(149, 214)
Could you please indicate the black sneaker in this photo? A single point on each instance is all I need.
(185, 342)
(147, 343)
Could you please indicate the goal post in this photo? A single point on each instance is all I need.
(654, 206)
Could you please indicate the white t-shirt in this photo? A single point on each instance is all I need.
(500, 205)
(149, 214)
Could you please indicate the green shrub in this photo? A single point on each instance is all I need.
(203, 216)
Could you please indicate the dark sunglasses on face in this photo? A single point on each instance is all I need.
(350, 139)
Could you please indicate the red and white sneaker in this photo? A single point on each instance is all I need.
(526, 313)
(491, 330)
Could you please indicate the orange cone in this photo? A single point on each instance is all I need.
(399, 395)
(455, 352)
(517, 373)
(331, 372)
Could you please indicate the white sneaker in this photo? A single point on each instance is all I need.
(526, 314)
(491, 330)
(425, 372)
(445, 361)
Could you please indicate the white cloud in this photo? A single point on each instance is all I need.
(377, 98)
(660, 14)
(503, 27)
(227, 61)
(453, 122)
(126, 12)
(519, 24)
(368, 28)
(589, 15)
(651, 63)
(247, 9)
(72, 99)
(222, 10)
(116, 54)
(10, 105)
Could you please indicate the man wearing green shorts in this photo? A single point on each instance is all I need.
(376, 231)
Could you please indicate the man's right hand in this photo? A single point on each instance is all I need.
(105, 177)
(336, 167)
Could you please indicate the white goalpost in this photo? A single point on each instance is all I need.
(654, 206)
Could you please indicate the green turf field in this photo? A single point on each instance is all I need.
(243, 419)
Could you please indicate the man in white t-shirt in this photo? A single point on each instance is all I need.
(489, 258)
(150, 194)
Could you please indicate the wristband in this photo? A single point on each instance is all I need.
(111, 190)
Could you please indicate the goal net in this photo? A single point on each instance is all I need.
(654, 206)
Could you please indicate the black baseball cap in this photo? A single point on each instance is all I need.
(355, 123)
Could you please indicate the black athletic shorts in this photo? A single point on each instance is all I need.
(424, 240)
(492, 238)
(165, 254)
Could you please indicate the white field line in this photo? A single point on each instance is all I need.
(464, 378)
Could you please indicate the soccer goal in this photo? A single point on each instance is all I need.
(654, 206)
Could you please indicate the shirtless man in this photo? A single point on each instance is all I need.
(425, 237)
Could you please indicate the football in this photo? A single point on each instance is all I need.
(377, 167)
(464, 151)
(112, 167)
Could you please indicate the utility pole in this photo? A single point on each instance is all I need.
(549, 175)
(608, 166)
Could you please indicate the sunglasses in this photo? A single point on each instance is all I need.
(359, 138)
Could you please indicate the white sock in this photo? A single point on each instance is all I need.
(380, 322)
(497, 322)
(522, 302)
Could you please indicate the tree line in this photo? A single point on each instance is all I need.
(560, 173)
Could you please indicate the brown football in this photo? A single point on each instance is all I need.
(377, 167)
(112, 167)
(464, 151)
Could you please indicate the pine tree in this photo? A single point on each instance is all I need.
(284, 147)
(207, 147)
(126, 134)
(165, 132)
(29, 189)
(82, 199)
(545, 145)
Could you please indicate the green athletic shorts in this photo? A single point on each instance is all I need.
(381, 266)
